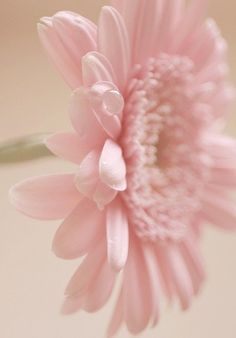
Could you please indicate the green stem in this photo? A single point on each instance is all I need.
(23, 149)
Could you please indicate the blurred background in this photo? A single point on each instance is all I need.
(33, 98)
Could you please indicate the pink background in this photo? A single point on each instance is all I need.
(33, 98)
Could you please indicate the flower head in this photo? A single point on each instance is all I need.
(150, 93)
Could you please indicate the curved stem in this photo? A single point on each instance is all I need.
(23, 149)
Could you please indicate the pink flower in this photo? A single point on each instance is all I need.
(150, 96)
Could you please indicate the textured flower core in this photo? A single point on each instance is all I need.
(167, 162)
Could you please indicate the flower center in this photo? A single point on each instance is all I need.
(167, 165)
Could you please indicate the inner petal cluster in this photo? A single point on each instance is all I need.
(163, 142)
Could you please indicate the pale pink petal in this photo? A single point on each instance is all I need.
(171, 15)
(137, 302)
(179, 274)
(148, 40)
(117, 235)
(100, 289)
(223, 173)
(108, 104)
(219, 210)
(223, 167)
(196, 227)
(112, 168)
(113, 42)
(77, 33)
(87, 176)
(96, 67)
(80, 231)
(223, 97)
(155, 282)
(192, 20)
(103, 195)
(67, 37)
(46, 197)
(67, 146)
(88, 182)
(216, 71)
(222, 146)
(146, 29)
(84, 121)
(205, 45)
(162, 265)
(194, 263)
(58, 54)
(87, 270)
(117, 316)
(72, 305)
(131, 11)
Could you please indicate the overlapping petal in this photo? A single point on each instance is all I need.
(79, 231)
(117, 235)
(89, 183)
(84, 120)
(68, 146)
(46, 197)
(67, 37)
(136, 296)
(113, 42)
(96, 68)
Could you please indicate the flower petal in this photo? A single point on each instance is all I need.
(224, 176)
(100, 289)
(154, 278)
(80, 231)
(162, 265)
(88, 181)
(130, 11)
(219, 210)
(117, 316)
(205, 45)
(179, 275)
(221, 146)
(46, 197)
(67, 37)
(108, 104)
(112, 168)
(144, 37)
(146, 34)
(137, 303)
(194, 262)
(113, 42)
(223, 167)
(87, 270)
(103, 195)
(84, 121)
(117, 235)
(192, 20)
(87, 176)
(67, 146)
(72, 305)
(96, 68)
(77, 33)
(171, 14)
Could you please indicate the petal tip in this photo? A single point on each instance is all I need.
(117, 265)
(69, 307)
(12, 195)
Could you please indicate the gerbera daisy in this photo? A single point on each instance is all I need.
(150, 96)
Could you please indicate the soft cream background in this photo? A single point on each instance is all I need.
(33, 98)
